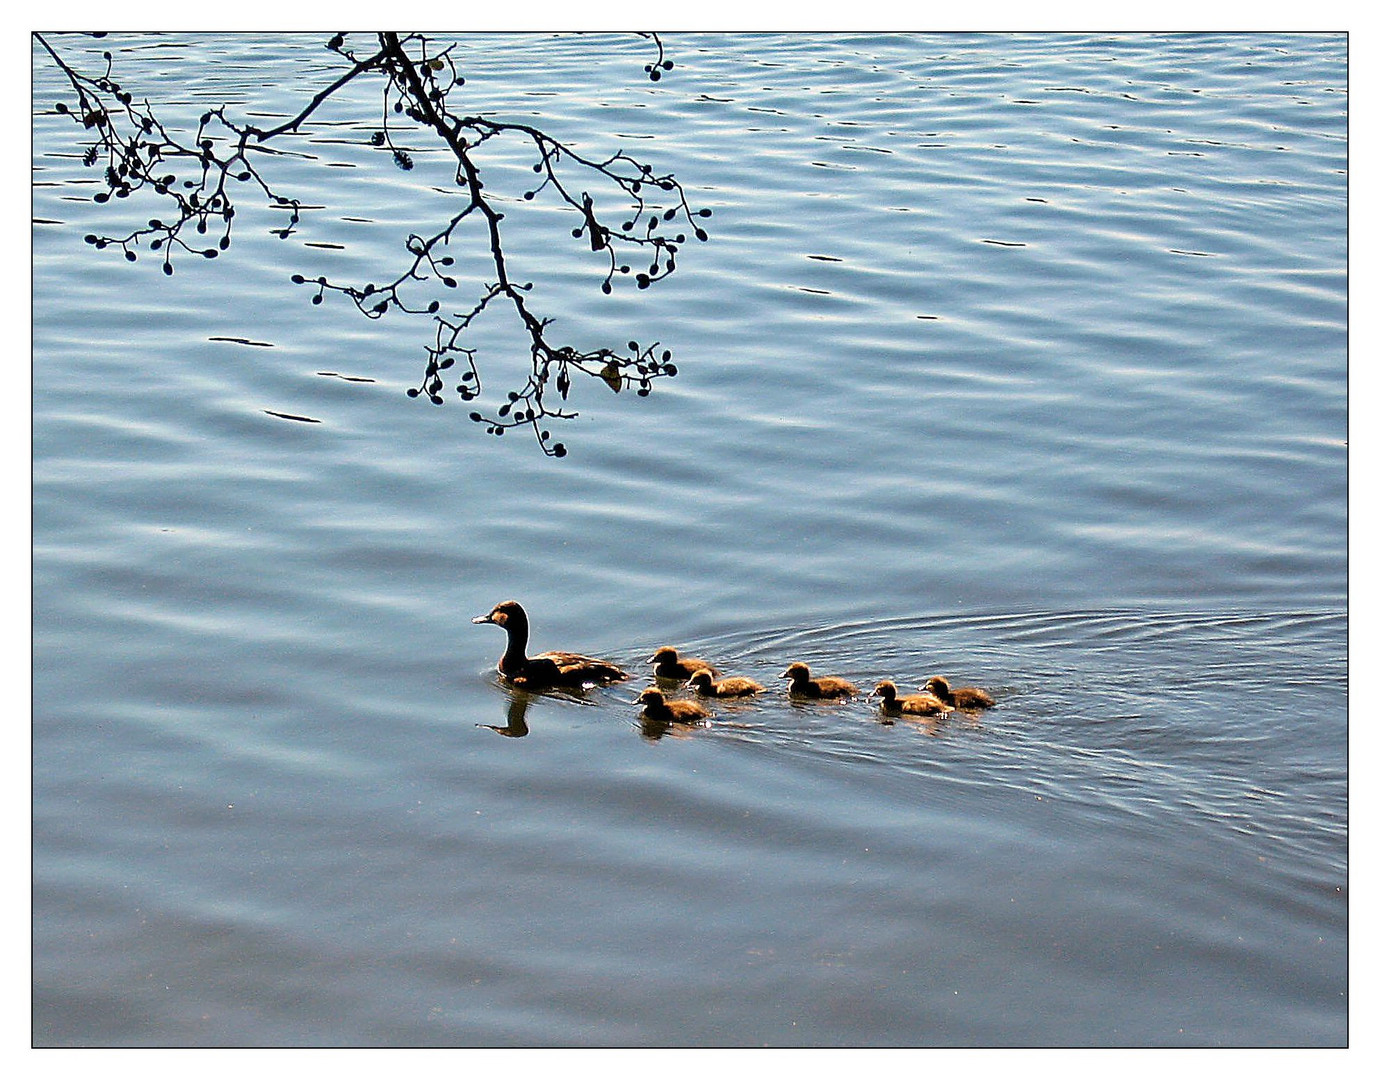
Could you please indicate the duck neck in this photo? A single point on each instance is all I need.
(515, 657)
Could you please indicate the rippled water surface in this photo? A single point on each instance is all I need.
(1016, 358)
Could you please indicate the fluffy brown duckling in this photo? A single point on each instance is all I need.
(736, 686)
(656, 707)
(826, 686)
(669, 664)
(548, 668)
(910, 705)
(962, 697)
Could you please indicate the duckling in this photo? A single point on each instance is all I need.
(545, 669)
(737, 686)
(963, 697)
(656, 707)
(826, 686)
(911, 705)
(668, 664)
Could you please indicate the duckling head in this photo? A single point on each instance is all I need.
(796, 671)
(886, 690)
(702, 678)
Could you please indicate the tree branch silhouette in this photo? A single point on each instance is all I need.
(198, 181)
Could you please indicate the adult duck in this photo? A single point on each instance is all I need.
(962, 697)
(892, 704)
(702, 682)
(548, 668)
(667, 663)
(826, 686)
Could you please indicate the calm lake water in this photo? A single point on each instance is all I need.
(1020, 359)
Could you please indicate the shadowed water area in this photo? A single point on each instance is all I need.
(1017, 359)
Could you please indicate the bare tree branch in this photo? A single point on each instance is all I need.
(198, 180)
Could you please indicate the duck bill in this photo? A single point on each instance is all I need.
(482, 618)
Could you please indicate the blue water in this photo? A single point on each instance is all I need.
(1020, 359)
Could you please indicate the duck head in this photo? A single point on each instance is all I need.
(504, 614)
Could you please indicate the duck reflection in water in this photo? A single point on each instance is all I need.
(516, 727)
